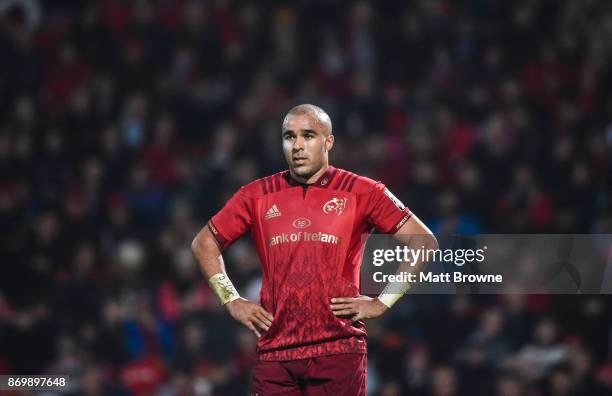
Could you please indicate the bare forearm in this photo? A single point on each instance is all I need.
(415, 235)
(251, 314)
(422, 242)
(207, 253)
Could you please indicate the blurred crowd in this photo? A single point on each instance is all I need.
(125, 125)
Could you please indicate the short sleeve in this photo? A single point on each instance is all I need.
(232, 221)
(386, 212)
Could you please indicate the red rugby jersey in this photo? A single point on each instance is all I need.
(309, 241)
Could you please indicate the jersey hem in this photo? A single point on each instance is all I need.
(302, 357)
(352, 345)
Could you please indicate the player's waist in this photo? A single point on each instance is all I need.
(352, 344)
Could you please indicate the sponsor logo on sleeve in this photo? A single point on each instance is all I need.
(394, 199)
(403, 221)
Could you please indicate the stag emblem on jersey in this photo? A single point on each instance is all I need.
(335, 205)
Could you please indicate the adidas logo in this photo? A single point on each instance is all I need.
(272, 212)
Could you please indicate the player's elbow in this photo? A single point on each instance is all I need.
(428, 238)
(204, 243)
(432, 242)
(195, 243)
(198, 244)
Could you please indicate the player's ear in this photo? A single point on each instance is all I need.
(329, 142)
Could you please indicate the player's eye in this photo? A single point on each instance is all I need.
(288, 137)
(308, 136)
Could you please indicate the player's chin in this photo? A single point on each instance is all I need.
(302, 170)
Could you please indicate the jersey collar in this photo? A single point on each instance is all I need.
(323, 181)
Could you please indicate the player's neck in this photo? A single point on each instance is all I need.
(312, 179)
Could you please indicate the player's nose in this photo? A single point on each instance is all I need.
(298, 144)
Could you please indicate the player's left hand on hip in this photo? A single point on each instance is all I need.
(362, 307)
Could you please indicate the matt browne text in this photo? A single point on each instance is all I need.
(429, 277)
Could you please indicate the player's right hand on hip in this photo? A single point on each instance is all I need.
(250, 314)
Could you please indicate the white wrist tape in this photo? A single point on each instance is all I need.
(389, 297)
(224, 288)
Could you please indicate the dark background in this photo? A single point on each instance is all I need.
(124, 125)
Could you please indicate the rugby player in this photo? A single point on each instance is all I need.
(307, 224)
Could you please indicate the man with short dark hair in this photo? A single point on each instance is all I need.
(307, 224)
